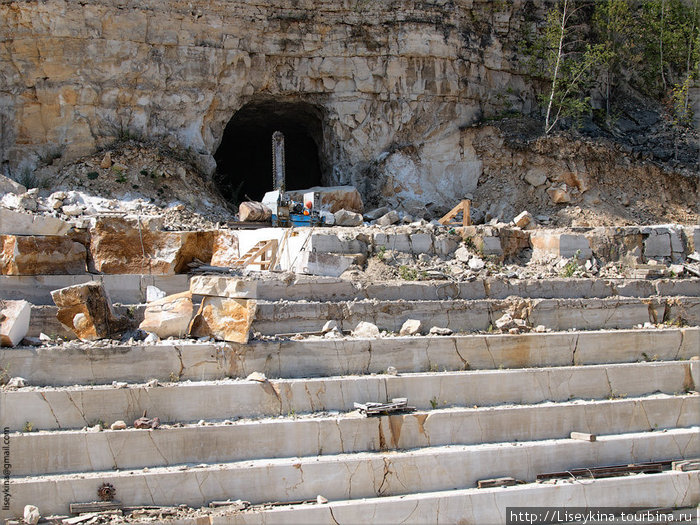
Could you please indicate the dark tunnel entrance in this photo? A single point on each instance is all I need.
(244, 158)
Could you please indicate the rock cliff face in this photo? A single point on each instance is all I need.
(380, 76)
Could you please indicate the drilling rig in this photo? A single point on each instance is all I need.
(285, 211)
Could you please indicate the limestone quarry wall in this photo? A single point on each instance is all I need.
(383, 75)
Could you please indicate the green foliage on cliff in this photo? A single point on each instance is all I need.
(611, 46)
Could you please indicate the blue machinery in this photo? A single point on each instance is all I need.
(286, 212)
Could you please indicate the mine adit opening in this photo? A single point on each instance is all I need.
(244, 158)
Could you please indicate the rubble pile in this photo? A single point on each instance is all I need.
(130, 178)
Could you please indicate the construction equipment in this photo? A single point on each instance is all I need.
(286, 212)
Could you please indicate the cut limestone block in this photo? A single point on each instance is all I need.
(333, 198)
(124, 245)
(18, 223)
(41, 255)
(14, 321)
(664, 241)
(325, 264)
(169, 316)
(224, 319)
(560, 244)
(86, 310)
(616, 244)
(226, 249)
(252, 211)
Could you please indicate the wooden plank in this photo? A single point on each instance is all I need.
(496, 482)
(583, 436)
(274, 247)
(467, 213)
(240, 225)
(450, 214)
(95, 506)
(464, 207)
(80, 519)
(260, 251)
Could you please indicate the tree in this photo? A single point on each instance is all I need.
(568, 61)
(613, 21)
(670, 38)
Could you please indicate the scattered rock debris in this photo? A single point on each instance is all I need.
(146, 423)
(397, 405)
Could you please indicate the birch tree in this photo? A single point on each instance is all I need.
(569, 63)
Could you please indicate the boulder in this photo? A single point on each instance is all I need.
(17, 382)
(411, 327)
(8, 185)
(524, 220)
(575, 179)
(41, 255)
(127, 245)
(536, 177)
(376, 213)
(86, 310)
(330, 326)
(168, 317)
(365, 329)
(18, 223)
(14, 321)
(388, 219)
(505, 322)
(31, 515)
(462, 254)
(347, 218)
(333, 198)
(226, 249)
(476, 264)
(439, 330)
(118, 425)
(72, 210)
(28, 201)
(559, 194)
(224, 319)
(106, 161)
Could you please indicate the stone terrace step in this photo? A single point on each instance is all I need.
(322, 434)
(467, 316)
(281, 317)
(79, 406)
(79, 363)
(354, 476)
(671, 489)
(127, 289)
(335, 289)
(131, 289)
